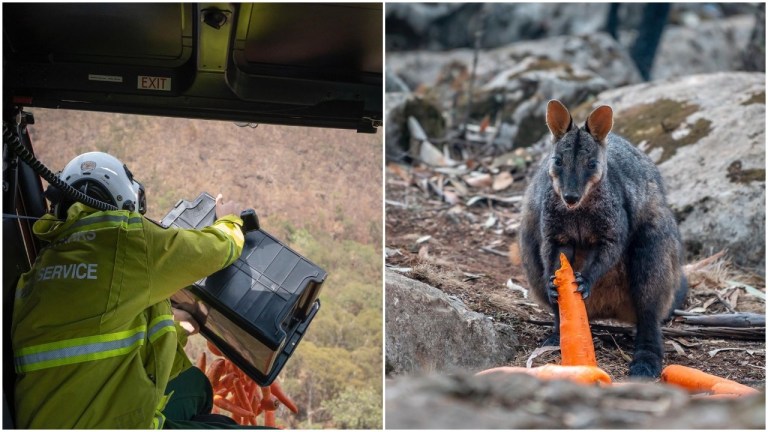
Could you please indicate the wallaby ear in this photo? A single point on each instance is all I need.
(600, 122)
(558, 118)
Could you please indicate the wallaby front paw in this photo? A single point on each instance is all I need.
(552, 340)
(552, 290)
(583, 286)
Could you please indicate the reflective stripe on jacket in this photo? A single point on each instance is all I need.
(93, 333)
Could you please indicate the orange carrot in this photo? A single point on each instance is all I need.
(242, 397)
(282, 397)
(733, 388)
(201, 362)
(580, 374)
(215, 371)
(227, 381)
(230, 406)
(255, 404)
(214, 350)
(269, 419)
(268, 402)
(696, 381)
(576, 345)
(250, 388)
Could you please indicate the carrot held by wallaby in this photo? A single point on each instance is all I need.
(696, 381)
(581, 374)
(576, 347)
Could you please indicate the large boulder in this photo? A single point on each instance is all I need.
(598, 53)
(463, 401)
(451, 25)
(710, 46)
(707, 135)
(514, 82)
(399, 107)
(427, 330)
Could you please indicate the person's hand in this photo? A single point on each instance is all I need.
(227, 208)
(187, 321)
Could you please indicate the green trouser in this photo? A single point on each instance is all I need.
(191, 404)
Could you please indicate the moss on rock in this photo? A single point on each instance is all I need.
(756, 98)
(427, 114)
(655, 123)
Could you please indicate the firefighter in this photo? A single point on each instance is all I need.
(95, 342)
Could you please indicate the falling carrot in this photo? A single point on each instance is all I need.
(242, 397)
(215, 371)
(580, 374)
(201, 362)
(282, 397)
(696, 381)
(230, 406)
(235, 392)
(269, 418)
(576, 345)
(213, 349)
(256, 404)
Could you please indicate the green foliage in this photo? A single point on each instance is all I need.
(356, 408)
(335, 376)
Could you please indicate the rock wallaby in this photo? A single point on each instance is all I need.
(602, 202)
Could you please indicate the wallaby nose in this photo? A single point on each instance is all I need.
(571, 198)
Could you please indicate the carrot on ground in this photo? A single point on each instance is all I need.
(696, 381)
(733, 388)
(576, 347)
(580, 374)
(282, 397)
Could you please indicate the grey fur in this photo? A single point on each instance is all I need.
(620, 235)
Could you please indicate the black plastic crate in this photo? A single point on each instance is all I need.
(256, 310)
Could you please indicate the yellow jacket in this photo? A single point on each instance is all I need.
(93, 334)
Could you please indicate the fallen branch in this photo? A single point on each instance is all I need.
(494, 251)
(725, 320)
(741, 333)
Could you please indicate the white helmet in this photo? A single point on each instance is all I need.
(104, 177)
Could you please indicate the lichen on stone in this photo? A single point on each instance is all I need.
(756, 98)
(655, 123)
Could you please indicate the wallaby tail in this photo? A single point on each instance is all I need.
(680, 294)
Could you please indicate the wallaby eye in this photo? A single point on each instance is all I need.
(558, 161)
(592, 164)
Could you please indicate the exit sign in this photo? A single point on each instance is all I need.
(154, 83)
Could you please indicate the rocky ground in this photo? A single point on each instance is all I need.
(468, 252)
